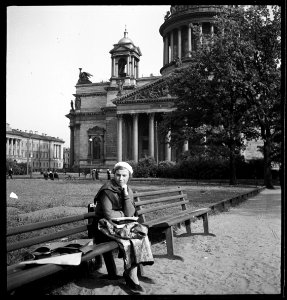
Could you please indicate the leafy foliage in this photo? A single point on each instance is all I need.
(231, 87)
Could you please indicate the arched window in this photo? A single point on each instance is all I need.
(121, 65)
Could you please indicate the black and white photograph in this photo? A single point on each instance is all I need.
(145, 150)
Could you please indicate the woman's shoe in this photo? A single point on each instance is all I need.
(135, 288)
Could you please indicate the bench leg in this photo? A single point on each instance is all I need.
(188, 226)
(205, 223)
(110, 264)
(140, 270)
(169, 240)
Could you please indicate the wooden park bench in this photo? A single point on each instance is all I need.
(151, 206)
(19, 274)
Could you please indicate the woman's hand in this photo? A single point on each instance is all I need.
(125, 189)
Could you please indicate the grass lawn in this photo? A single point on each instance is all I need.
(41, 200)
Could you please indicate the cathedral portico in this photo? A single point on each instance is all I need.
(137, 136)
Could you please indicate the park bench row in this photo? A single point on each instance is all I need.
(148, 206)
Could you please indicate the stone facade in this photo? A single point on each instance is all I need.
(40, 151)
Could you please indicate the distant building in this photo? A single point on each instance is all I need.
(66, 156)
(43, 151)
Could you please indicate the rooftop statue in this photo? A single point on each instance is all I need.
(84, 77)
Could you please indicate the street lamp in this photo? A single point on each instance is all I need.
(31, 156)
(90, 140)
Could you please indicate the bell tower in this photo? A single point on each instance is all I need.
(125, 58)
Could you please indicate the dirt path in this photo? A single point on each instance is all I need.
(243, 256)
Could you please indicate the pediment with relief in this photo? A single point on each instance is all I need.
(155, 90)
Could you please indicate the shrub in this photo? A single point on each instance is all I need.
(165, 168)
(146, 167)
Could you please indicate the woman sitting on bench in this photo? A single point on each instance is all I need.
(115, 200)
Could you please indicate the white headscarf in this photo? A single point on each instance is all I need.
(124, 165)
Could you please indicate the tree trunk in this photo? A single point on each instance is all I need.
(232, 168)
(267, 164)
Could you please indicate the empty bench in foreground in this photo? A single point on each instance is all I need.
(19, 274)
(151, 204)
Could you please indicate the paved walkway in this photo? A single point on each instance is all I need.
(266, 204)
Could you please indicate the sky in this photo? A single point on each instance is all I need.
(46, 46)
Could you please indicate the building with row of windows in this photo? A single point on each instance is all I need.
(39, 151)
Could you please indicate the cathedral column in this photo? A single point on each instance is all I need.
(17, 147)
(166, 50)
(12, 147)
(212, 31)
(128, 66)
(151, 134)
(20, 148)
(185, 146)
(138, 69)
(71, 146)
(189, 40)
(200, 29)
(133, 67)
(135, 137)
(179, 42)
(116, 70)
(7, 146)
(167, 148)
(120, 138)
(171, 46)
(15, 140)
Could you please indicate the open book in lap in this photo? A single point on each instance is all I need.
(122, 221)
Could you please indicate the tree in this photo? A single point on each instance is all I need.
(232, 84)
(263, 90)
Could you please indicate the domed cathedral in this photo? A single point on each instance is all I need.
(117, 120)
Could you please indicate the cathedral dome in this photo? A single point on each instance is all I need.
(125, 39)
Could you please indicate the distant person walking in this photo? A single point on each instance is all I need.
(51, 175)
(10, 173)
(93, 174)
(109, 174)
(97, 174)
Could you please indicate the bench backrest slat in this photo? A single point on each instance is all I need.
(157, 192)
(46, 224)
(170, 197)
(45, 238)
(162, 199)
(160, 207)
